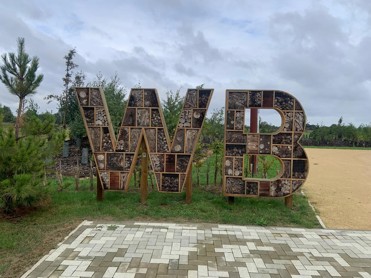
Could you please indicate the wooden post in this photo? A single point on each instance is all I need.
(100, 192)
(288, 201)
(189, 186)
(144, 174)
(254, 128)
(91, 176)
(77, 174)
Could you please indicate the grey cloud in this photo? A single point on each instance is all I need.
(314, 29)
(25, 7)
(74, 25)
(100, 32)
(147, 58)
(175, 11)
(194, 47)
(131, 70)
(313, 50)
(180, 68)
(362, 59)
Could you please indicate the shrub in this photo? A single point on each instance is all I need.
(23, 162)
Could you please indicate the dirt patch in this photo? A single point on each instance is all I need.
(339, 187)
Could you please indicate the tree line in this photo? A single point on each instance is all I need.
(338, 135)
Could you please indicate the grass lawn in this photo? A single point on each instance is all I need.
(24, 240)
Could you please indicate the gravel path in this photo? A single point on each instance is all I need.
(339, 187)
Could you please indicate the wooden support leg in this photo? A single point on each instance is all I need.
(91, 176)
(144, 175)
(189, 186)
(288, 201)
(230, 200)
(100, 192)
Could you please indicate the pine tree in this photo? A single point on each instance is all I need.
(18, 73)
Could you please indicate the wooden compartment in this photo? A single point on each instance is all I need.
(123, 140)
(235, 137)
(158, 162)
(203, 98)
(89, 115)
(95, 98)
(240, 120)
(252, 188)
(265, 145)
(283, 101)
(151, 138)
(235, 186)
(170, 162)
(115, 161)
(182, 162)
(136, 98)
(255, 98)
(230, 119)
(150, 98)
(237, 100)
(143, 117)
(83, 96)
(170, 182)
(191, 99)
(185, 119)
(155, 118)
(179, 141)
(106, 140)
(198, 116)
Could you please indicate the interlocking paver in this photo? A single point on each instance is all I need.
(141, 249)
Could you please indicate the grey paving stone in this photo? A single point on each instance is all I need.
(145, 249)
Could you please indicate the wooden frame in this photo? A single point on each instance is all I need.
(283, 144)
(143, 121)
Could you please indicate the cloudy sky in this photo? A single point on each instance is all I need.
(320, 51)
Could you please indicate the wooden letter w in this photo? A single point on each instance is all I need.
(143, 120)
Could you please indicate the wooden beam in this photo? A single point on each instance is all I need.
(189, 186)
(100, 192)
(230, 200)
(254, 128)
(144, 174)
(289, 201)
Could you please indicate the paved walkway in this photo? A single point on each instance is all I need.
(134, 249)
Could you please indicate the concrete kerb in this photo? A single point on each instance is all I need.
(315, 211)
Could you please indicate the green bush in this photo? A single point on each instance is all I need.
(23, 163)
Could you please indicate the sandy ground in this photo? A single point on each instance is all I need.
(339, 187)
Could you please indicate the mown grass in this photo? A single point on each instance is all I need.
(24, 240)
